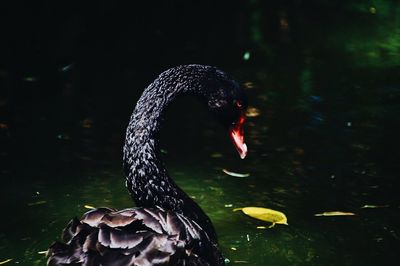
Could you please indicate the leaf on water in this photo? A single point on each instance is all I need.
(252, 111)
(3, 126)
(374, 206)
(246, 56)
(66, 67)
(44, 252)
(248, 85)
(5, 261)
(264, 214)
(30, 79)
(90, 207)
(335, 213)
(216, 155)
(241, 261)
(235, 174)
(372, 10)
(261, 227)
(63, 136)
(37, 203)
(87, 123)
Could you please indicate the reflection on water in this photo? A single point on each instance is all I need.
(322, 136)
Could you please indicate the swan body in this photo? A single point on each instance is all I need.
(136, 236)
(167, 227)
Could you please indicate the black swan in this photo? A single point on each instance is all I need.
(167, 227)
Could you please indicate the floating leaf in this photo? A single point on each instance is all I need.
(40, 202)
(216, 155)
(335, 213)
(252, 111)
(264, 214)
(44, 252)
(372, 10)
(63, 136)
(248, 85)
(5, 261)
(66, 68)
(374, 206)
(246, 56)
(87, 123)
(90, 207)
(3, 126)
(30, 79)
(235, 174)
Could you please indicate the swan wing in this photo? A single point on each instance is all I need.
(135, 236)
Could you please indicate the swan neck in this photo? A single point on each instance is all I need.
(146, 177)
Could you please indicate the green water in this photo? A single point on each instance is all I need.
(326, 138)
(305, 157)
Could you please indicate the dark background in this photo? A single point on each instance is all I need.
(64, 62)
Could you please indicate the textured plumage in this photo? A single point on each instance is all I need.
(139, 236)
(167, 227)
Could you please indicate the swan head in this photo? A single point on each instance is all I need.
(227, 100)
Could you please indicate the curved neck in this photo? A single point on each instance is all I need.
(147, 179)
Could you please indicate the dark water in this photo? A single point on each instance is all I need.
(325, 82)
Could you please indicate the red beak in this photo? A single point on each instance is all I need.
(237, 136)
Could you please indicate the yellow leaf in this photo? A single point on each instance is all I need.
(264, 214)
(5, 261)
(248, 85)
(335, 213)
(89, 207)
(261, 227)
(252, 111)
